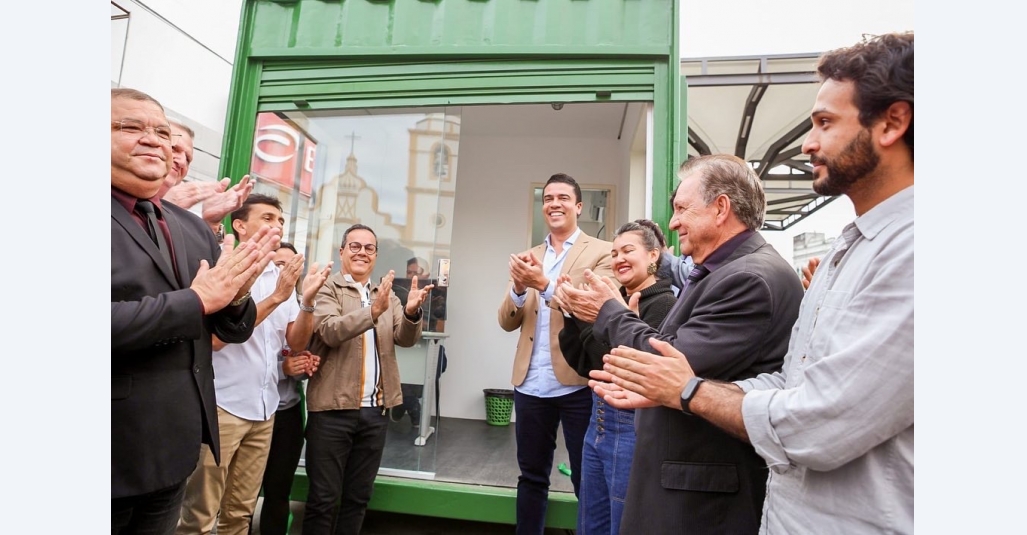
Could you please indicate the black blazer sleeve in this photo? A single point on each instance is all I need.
(581, 350)
(730, 318)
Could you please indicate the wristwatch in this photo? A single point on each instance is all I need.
(307, 308)
(689, 392)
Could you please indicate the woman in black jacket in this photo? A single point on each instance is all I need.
(610, 438)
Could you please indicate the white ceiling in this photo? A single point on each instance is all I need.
(594, 120)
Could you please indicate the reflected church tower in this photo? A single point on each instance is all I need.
(431, 186)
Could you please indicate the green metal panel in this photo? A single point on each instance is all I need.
(330, 85)
(329, 54)
(343, 26)
(452, 500)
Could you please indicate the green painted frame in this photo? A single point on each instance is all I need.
(496, 505)
(294, 56)
(300, 49)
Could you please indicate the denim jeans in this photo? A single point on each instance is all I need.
(605, 467)
(536, 425)
(344, 450)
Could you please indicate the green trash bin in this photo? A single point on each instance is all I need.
(498, 406)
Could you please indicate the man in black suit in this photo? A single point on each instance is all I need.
(172, 287)
(733, 318)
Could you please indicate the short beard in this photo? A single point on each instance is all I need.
(854, 163)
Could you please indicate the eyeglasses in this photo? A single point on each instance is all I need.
(137, 129)
(355, 247)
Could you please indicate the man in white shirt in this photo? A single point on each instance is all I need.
(246, 385)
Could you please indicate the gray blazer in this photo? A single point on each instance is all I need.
(687, 476)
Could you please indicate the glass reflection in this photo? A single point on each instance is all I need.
(394, 171)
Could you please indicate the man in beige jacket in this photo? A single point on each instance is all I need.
(357, 325)
(547, 391)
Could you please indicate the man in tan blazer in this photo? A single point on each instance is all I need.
(548, 392)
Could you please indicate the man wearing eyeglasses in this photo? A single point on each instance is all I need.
(357, 325)
(171, 288)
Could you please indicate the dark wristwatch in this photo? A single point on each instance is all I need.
(689, 392)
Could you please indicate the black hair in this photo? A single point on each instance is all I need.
(254, 198)
(565, 179)
(881, 68)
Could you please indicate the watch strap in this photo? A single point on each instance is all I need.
(689, 392)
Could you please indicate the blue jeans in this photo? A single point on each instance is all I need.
(605, 467)
(537, 421)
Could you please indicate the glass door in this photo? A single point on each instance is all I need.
(395, 171)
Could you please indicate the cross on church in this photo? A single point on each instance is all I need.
(353, 141)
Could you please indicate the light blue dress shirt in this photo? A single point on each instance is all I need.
(835, 425)
(541, 381)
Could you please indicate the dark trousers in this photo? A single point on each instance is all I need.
(344, 450)
(537, 422)
(282, 459)
(156, 513)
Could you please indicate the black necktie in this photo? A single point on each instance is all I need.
(153, 228)
(697, 274)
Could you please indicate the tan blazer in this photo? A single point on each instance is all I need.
(340, 321)
(587, 252)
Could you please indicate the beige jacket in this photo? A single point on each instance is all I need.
(339, 322)
(587, 252)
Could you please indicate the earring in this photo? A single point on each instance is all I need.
(651, 269)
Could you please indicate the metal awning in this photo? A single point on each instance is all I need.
(757, 108)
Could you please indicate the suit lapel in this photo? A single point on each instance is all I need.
(574, 252)
(123, 218)
(540, 252)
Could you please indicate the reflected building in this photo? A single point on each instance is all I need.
(348, 197)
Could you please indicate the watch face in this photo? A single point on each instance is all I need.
(688, 393)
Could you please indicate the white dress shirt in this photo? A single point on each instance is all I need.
(246, 375)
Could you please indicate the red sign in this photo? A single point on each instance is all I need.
(277, 154)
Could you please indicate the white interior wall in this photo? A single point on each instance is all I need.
(636, 142)
(491, 221)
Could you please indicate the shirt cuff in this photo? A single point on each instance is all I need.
(746, 385)
(760, 428)
(518, 300)
(547, 295)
